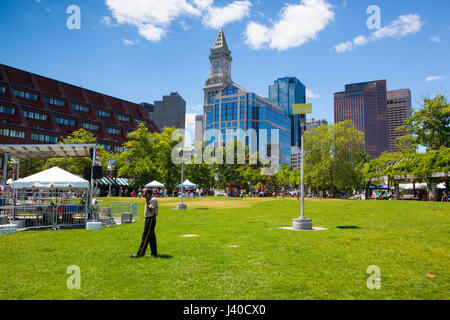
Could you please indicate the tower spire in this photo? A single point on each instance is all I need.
(221, 42)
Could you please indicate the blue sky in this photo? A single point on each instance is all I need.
(140, 50)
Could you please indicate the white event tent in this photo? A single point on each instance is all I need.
(188, 184)
(54, 178)
(155, 184)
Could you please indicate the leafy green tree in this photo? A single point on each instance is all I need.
(295, 179)
(138, 161)
(333, 155)
(250, 176)
(430, 125)
(201, 174)
(169, 173)
(284, 176)
(148, 156)
(229, 173)
(74, 165)
(29, 167)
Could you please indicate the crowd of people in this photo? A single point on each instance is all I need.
(236, 192)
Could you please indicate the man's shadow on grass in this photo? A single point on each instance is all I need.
(161, 256)
(348, 227)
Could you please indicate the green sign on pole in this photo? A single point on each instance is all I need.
(304, 108)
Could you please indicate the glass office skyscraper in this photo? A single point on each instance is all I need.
(285, 92)
(234, 112)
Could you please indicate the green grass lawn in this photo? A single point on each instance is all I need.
(409, 241)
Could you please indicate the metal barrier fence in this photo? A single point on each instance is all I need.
(44, 215)
(119, 207)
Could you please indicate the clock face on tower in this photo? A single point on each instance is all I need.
(216, 64)
(227, 65)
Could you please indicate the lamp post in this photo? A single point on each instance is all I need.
(182, 206)
(302, 223)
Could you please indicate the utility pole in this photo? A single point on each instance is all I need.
(302, 223)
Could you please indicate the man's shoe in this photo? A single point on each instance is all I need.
(134, 256)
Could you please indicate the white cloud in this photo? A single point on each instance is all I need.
(297, 24)
(433, 78)
(216, 17)
(130, 42)
(435, 39)
(198, 109)
(344, 47)
(360, 40)
(184, 25)
(404, 25)
(311, 94)
(401, 27)
(108, 22)
(154, 17)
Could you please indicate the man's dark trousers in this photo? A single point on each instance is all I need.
(148, 237)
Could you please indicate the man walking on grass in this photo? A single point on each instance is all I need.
(151, 212)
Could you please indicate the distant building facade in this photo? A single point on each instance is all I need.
(313, 123)
(365, 105)
(39, 110)
(199, 129)
(296, 158)
(169, 112)
(285, 92)
(233, 112)
(398, 110)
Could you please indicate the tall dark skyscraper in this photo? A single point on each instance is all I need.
(398, 109)
(170, 112)
(285, 92)
(365, 104)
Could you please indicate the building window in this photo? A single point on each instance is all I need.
(113, 131)
(123, 118)
(43, 138)
(12, 133)
(89, 126)
(55, 102)
(230, 90)
(103, 114)
(229, 111)
(77, 107)
(119, 149)
(25, 95)
(139, 122)
(34, 115)
(7, 110)
(106, 147)
(65, 122)
(217, 113)
(2, 89)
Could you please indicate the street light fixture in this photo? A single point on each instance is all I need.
(302, 223)
(182, 206)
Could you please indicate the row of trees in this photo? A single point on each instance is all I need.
(428, 129)
(335, 159)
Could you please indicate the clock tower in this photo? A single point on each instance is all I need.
(219, 70)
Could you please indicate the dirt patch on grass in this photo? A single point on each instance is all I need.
(211, 203)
